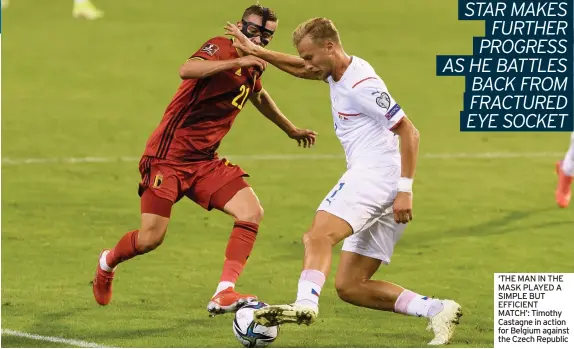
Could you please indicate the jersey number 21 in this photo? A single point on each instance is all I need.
(241, 98)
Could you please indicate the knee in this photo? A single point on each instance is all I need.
(150, 238)
(317, 236)
(253, 214)
(346, 290)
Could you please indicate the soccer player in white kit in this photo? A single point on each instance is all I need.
(565, 172)
(370, 205)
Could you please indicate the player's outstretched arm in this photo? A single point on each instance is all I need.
(197, 68)
(409, 138)
(288, 63)
(266, 106)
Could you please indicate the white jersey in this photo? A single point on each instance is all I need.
(364, 112)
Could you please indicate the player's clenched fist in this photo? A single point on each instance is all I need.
(252, 61)
(403, 207)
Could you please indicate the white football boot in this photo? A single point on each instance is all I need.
(444, 323)
(274, 315)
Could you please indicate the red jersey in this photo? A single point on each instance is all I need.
(203, 110)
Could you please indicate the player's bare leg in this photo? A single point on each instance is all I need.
(565, 172)
(245, 208)
(327, 231)
(355, 286)
(150, 235)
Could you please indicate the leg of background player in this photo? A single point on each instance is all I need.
(565, 171)
(85, 9)
(238, 200)
(150, 235)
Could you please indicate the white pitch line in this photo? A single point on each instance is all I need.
(493, 155)
(281, 157)
(70, 342)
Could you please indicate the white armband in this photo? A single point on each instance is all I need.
(405, 185)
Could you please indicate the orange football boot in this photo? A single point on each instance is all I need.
(563, 192)
(228, 301)
(102, 284)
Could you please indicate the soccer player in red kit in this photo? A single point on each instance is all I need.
(180, 158)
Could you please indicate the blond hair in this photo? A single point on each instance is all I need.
(318, 29)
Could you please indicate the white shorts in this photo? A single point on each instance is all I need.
(364, 199)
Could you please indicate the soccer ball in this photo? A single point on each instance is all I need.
(248, 332)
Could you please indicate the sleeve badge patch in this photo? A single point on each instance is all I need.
(384, 101)
(210, 49)
(394, 110)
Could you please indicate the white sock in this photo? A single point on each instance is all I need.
(104, 264)
(310, 285)
(568, 163)
(424, 306)
(223, 285)
(410, 303)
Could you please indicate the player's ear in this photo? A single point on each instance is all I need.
(329, 46)
(239, 25)
(273, 27)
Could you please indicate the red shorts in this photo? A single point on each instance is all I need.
(171, 180)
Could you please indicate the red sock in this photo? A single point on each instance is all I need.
(125, 249)
(238, 249)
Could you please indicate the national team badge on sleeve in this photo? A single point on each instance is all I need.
(384, 101)
(210, 49)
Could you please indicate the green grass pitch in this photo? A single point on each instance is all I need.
(77, 89)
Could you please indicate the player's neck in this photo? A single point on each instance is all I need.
(342, 62)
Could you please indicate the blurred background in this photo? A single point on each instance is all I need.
(80, 98)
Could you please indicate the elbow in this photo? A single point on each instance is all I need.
(184, 73)
(406, 130)
(415, 137)
(416, 134)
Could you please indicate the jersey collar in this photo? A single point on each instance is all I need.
(347, 72)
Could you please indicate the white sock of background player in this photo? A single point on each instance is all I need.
(568, 162)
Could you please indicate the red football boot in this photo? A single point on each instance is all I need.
(228, 301)
(102, 284)
(563, 192)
